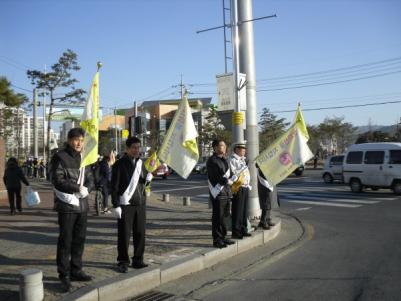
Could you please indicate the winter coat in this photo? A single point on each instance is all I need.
(65, 166)
(13, 176)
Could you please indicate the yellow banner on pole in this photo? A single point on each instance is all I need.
(90, 123)
(286, 153)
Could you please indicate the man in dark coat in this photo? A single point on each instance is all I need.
(71, 203)
(218, 173)
(12, 178)
(128, 181)
(267, 196)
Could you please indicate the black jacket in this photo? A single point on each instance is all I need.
(104, 174)
(64, 176)
(216, 169)
(121, 174)
(266, 197)
(13, 176)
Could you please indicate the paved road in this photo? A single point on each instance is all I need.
(350, 249)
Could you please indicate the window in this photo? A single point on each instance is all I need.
(337, 160)
(354, 158)
(374, 157)
(395, 157)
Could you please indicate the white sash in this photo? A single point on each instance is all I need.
(68, 198)
(265, 183)
(218, 188)
(129, 192)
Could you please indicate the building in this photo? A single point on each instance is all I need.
(151, 120)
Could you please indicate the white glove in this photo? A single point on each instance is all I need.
(83, 192)
(117, 212)
(234, 178)
(149, 177)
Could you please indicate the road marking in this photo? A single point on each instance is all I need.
(303, 209)
(324, 204)
(167, 190)
(202, 195)
(298, 197)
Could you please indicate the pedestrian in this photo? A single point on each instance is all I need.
(71, 203)
(267, 196)
(13, 176)
(128, 181)
(35, 167)
(219, 179)
(240, 190)
(315, 159)
(105, 181)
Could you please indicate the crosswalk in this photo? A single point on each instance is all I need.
(311, 194)
(320, 194)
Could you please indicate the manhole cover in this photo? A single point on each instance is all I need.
(152, 296)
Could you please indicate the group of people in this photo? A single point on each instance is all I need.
(34, 168)
(229, 181)
(72, 186)
(126, 180)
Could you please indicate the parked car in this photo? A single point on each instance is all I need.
(333, 169)
(373, 165)
(162, 171)
(200, 168)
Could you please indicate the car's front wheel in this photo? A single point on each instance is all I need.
(397, 188)
(327, 178)
(355, 185)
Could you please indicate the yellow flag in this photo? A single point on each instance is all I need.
(299, 119)
(180, 149)
(286, 153)
(90, 123)
(152, 163)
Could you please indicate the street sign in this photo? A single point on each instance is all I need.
(225, 92)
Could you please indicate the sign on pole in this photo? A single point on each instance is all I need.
(225, 92)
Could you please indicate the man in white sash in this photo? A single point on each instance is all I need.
(267, 196)
(240, 190)
(219, 178)
(128, 181)
(71, 203)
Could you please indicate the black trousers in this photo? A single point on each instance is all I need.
(133, 219)
(105, 194)
(71, 240)
(14, 194)
(219, 211)
(239, 211)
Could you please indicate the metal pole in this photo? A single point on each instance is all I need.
(115, 129)
(247, 66)
(237, 124)
(225, 37)
(35, 130)
(44, 127)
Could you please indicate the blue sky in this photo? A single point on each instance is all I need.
(145, 46)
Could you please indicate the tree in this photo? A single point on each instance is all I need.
(10, 104)
(336, 134)
(59, 78)
(212, 129)
(375, 136)
(270, 128)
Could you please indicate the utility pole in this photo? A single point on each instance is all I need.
(238, 116)
(247, 66)
(35, 130)
(115, 129)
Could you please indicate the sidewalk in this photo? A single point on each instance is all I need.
(29, 239)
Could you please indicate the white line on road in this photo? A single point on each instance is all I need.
(167, 190)
(303, 209)
(324, 204)
(299, 197)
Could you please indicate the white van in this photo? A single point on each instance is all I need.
(373, 165)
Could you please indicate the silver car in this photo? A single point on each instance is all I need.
(333, 169)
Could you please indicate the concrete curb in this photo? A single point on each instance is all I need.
(138, 282)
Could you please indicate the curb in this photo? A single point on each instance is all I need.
(137, 282)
